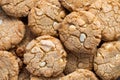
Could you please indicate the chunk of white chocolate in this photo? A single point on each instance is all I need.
(82, 37)
(1, 22)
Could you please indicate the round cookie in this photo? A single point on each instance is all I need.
(107, 61)
(78, 61)
(44, 78)
(45, 56)
(45, 17)
(24, 75)
(80, 32)
(80, 74)
(11, 31)
(9, 68)
(20, 48)
(108, 11)
(73, 5)
(17, 8)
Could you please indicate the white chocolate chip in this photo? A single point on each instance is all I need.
(82, 37)
(108, 46)
(117, 56)
(47, 43)
(55, 23)
(39, 12)
(1, 22)
(42, 64)
(61, 60)
(72, 28)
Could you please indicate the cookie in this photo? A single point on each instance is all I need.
(108, 11)
(107, 61)
(80, 32)
(11, 31)
(78, 61)
(9, 68)
(45, 17)
(76, 5)
(17, 8)
(45, 56)
(80, 74)
(24, 75)
(20, 48)
(44, 78)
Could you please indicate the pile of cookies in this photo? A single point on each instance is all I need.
(59, 39)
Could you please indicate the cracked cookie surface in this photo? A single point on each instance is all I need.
(107, 61)
(108, 11)
(45, 56)
(80, 32)
(9, 67)
(80, 74)
(17, 8)
(11, 31)
(45, 17)
(73, 5)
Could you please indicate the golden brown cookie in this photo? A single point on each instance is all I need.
(17, 8)
(45, 56)
(44, 78)
(11, 31)
(80, 32)
(75, 5)
(45, 17)
(108, 11)
(80, 74)
(9, 68)
(107, 61)
(78, 61)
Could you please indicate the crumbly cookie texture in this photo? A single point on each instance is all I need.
(45, 17)
(44, 78)
(76, 5)
(11, 31)
(17, 8)
(80, 74)
(78, 61)
(9, 68)
(107, 61)
(45, 56)
(80, 32)
(24, 75)
(108, 11)
(20, 48)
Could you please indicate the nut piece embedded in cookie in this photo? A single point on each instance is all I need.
(17, 8)
(9, 68)
(11, 31)
(80, 74)
(108, 11)
(80, 32)
(107, 61)
(45, 17)
(78, 61)
(45, 56)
